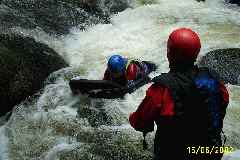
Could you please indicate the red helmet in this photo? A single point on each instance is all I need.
(183, 46)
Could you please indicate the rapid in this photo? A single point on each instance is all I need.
(55, 125)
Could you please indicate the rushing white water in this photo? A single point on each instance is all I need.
(57, 125)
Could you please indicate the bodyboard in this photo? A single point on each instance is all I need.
(103, 88)
(108, 89)
(85, 85)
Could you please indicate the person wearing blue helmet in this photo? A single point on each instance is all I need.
(126, 71)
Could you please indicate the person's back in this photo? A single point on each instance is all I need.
(192, 124)
(188, 105)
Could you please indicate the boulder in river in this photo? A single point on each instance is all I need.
(52, 16)
(25, 64)
(225, 61)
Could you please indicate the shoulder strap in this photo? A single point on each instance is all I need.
(167, 80)
(212, 73)
(179, 85)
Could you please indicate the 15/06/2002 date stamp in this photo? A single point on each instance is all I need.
(209, 150)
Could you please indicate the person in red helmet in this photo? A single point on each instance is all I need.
(188, 105)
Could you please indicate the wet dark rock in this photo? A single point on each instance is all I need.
(53, 16)
(115, 6)
(25, 64)
(226, 62)
(234, 2)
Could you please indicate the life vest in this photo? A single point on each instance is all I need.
(122, 80)
(198, 118)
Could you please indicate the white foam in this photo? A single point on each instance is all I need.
(53, 153)
(232, 156)
(140, 32)
(3, 144)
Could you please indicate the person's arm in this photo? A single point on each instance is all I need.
(225, 98)
(143, 118)
(106, 75)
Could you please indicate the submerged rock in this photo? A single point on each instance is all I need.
(226, 62)
(25, 64)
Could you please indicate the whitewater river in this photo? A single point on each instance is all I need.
(54, 125)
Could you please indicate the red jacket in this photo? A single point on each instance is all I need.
(158, 102)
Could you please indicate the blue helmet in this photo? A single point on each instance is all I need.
(116, 63)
